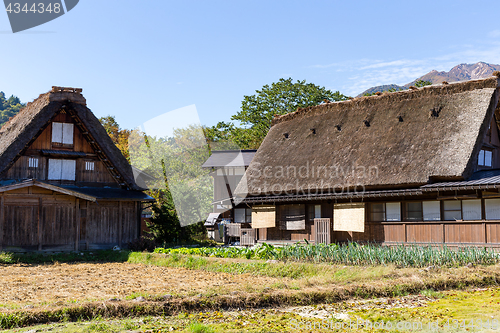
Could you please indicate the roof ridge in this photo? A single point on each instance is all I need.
(452, 87)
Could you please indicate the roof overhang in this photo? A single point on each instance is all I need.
(51, 187)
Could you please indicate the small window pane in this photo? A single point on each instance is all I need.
(317, 211)
(487, 157)
(57, 132)
(414, 211)
(432, 210)
(452, 210)
(249, 215)
(239, 215)
(492, 209)
(393, 211)
(33, 162)
(471, 210)
(480, 160)
(452, 205)
(377, 212)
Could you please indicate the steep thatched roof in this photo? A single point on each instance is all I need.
(19, 132)
(400, 139)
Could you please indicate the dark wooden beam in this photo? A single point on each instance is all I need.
(2, 219)
(39, 222)
(77, 224)
(120, 223)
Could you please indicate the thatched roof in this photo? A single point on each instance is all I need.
(399, 139)
(19, 132)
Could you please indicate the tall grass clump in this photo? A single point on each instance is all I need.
(353, 254)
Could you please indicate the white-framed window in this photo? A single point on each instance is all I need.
(242, 215)
(89, 166)
(431, 210)
(452, 210)
(62, 169)
(492, 209)
(62, 133)
(33, 162)
(471, 210)
(485, 158)
(387, 211)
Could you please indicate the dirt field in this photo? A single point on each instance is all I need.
(60, 284)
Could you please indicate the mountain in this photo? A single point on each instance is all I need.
(462, 72)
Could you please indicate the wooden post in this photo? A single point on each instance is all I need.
(2, 218)
(120, 223)
(39, 222)
(77, 224)
(87, 226)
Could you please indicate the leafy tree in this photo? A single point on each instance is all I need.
(9, 107)
(182, 189)
(258, 110)
(118, 136)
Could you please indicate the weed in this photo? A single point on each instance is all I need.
(199, 328)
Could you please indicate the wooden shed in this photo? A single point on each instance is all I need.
(64, 185)
(420, 166)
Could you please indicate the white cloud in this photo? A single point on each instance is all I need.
(361, 74)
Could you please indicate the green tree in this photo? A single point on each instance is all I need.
(422, 83)
(9, 107)
(258, 110)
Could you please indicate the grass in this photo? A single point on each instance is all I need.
(42, 258)
(450, 309)
(352, 254)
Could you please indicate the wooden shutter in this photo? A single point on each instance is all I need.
(263, 217)
(67, 134)
(349, 217)
(57, 132)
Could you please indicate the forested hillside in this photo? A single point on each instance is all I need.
(9, 107)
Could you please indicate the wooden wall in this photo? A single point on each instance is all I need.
(21, 169)
(34, 219)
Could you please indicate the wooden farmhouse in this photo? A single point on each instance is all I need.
(420, 166)
(64, 185)
(227, 169)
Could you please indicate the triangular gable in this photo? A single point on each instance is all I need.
(21, 131)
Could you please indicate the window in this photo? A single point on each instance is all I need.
(414, 211)
(388, 211)
(393, 211)
(89, 165)
(485, 158)
(33, 162)
(62, 133)
(377, 212)
(452, 210)
(61, 169)
(313, 212)
(243, 215)
(492, 209)
(471, 210)
(431, 210)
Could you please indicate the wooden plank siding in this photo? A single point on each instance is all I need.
(46, 221)
(21, 169)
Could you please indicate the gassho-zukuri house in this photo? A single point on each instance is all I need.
(412, 167)
(64, 185)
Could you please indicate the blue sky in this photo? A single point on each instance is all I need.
(139, 59)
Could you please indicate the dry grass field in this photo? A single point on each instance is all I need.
(49, 285)
(187, 292)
